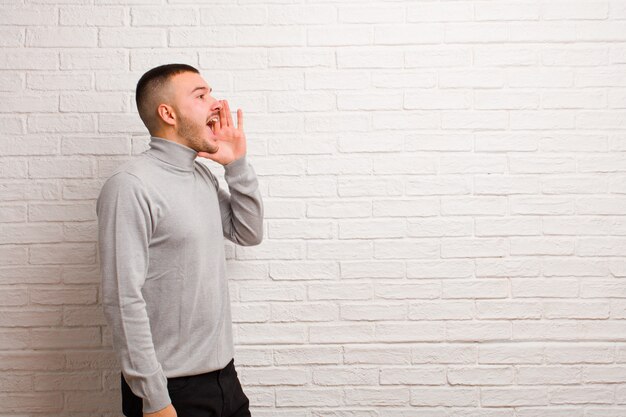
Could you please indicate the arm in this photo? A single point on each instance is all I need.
(242, 209)
(124, 231)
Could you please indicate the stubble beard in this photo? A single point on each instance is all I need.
(193, 133)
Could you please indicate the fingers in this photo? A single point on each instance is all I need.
(221, 120)
(229, 117)
(218, 126)
(226, 117)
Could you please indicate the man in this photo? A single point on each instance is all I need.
(162, 218)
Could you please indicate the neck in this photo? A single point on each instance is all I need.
(173, 153)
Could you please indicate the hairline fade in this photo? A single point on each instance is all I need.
(150, 86)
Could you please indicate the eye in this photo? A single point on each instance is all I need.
(201, 95)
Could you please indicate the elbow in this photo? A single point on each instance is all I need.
(255, 239)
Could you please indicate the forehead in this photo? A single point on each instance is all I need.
(186, 82)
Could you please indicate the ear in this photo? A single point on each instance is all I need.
(166, 113)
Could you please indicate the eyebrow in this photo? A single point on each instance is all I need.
(201, 88)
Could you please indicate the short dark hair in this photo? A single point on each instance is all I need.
(150, 88)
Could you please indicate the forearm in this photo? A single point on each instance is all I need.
(242, 210)
(132, 342)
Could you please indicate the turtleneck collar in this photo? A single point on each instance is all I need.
(173, 153)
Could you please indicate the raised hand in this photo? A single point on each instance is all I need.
(231, 139)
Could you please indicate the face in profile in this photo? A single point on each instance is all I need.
(195, 110)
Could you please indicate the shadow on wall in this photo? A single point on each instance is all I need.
(58, 346)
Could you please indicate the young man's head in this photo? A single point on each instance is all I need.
(174, 102)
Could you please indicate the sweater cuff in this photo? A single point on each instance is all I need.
(157, 395)
(236, 167)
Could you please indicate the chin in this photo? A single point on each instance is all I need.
(209, 146)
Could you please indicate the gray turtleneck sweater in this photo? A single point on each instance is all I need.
(162, 218)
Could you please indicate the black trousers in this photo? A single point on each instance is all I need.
(212, 394)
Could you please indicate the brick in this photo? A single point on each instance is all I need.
(15, 383)
(341, 332)
(372, 311)
(370, 14)
(92, 16)
(377, 354)
(13, 255)
(377, 396)
(301, 14)
(68, 381)
(44, 103)
(15, 339)
(379, 269)
(61, 37)
(29, 59)
(245, 313)
(370, 57)
(215, 36)
(54, 81)
(61, 123)
(314, 397)
(575, 395)
(81, 402)
(303, 270)
(31, 317)
(63, 296)
(345, 291)
(303, 312)
(302, 355)
(500, 397)
(13, 168)
(11, 81)
(296, 57)
(545, 375)
(124, 37)
(77, 359)
(313, 101)
(275, 376)
(29, 145)
(63, 253)
(233, 15)
(292, 35)
(21, 274)
(31, 361)
(339, 35)
(12, 190)
(10, 213)
(94, 59)
(90, 102)
(449, 353)
(30, 233)
(76, 274)
(46, 402)
(445, 396)
(340, 376)
(438, 12)
(240, 58)
(111, 145)
(28, 15)
(275, 333)
(508, 11)
(66, 338)
(81, 231)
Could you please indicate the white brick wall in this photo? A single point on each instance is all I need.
(444, 184)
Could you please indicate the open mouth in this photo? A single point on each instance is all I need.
(212, 122)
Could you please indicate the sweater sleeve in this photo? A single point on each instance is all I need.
(124, 231)
(242, 208)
